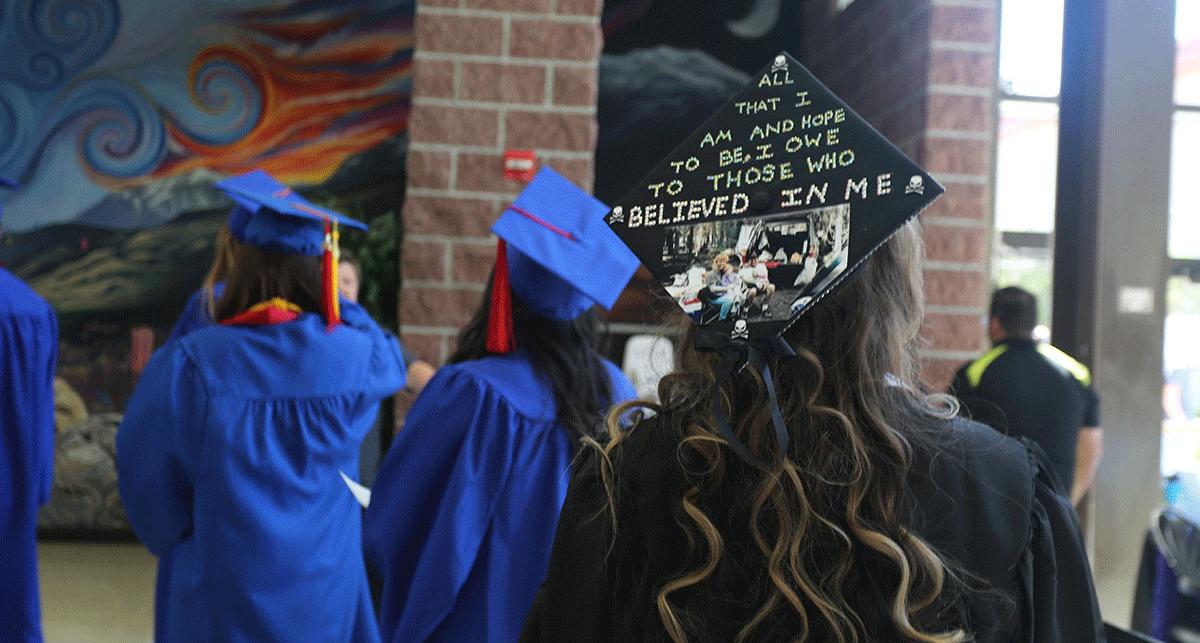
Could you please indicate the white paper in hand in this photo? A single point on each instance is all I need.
(361, 493)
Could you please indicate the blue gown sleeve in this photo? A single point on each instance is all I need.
(388, 369)
(434, 497)
(43, 409)
(158, 446)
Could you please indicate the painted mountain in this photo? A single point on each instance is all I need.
(157, 202)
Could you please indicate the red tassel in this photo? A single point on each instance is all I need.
(500, 337)
(329, 285)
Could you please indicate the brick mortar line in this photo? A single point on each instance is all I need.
(969, 179)
(456, 90)
(447, 268)
(505, 37)
(963, 45)
(548, 90)
(505, 107)
(449, 238)
(422, 54)
(482, 149)
(503, 13)
(958, 135)
(463, 194)
(432, 284)
(960, 90)
(453, 169)
(443, 331)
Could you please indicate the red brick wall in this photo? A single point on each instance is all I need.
(924, 73)
(489, 75)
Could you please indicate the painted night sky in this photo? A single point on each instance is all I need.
(104, 96)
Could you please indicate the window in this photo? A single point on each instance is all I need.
(1185, 151)
(1027, 146)
(1181, 353)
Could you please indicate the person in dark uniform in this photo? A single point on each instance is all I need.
(28, 354)
(886, 519)
(1030, 389)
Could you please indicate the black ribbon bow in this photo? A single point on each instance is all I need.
(735, 355)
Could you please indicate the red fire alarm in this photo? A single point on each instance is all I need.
(520, 165)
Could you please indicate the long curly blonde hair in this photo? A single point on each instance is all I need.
(832, 511)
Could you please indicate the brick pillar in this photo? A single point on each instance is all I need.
(924, 73)
(489, 75)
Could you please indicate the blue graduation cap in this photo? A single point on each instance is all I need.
(10, 184)
(557, 255)
(270, 215)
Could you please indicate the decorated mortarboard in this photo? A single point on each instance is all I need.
(785, 180)
(272, 216)
(556, 254)
(10, 184)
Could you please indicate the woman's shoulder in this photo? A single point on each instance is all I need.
(509, 378)
(972, 492)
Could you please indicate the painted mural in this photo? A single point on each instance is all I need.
(117, 116)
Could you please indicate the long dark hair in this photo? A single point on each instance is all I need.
(564, 353)
(221, 266)
(259, 275)
(829, 523)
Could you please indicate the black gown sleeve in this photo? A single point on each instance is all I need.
(1060, 598)
(575, 601)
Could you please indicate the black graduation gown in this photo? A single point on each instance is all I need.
(990, 505)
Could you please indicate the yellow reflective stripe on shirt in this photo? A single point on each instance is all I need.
(976, 369)
(1070, 364)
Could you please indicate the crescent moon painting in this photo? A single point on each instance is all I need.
(758, 22)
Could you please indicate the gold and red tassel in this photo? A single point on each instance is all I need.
(331, 307)
(500, 337)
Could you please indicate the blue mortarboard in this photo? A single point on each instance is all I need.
(271, 216)
(558, 254)
(10, 184)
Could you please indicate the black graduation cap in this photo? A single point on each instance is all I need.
(770, 205)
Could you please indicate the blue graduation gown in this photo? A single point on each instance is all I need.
(465, 505)
(229, 459)
(195, 314)
(28, 352)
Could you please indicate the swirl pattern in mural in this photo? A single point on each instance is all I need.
(60, 38)
(294, 89)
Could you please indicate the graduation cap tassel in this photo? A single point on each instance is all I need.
(329, 277)
(500, 337)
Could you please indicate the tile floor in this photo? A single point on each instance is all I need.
(96, 593)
